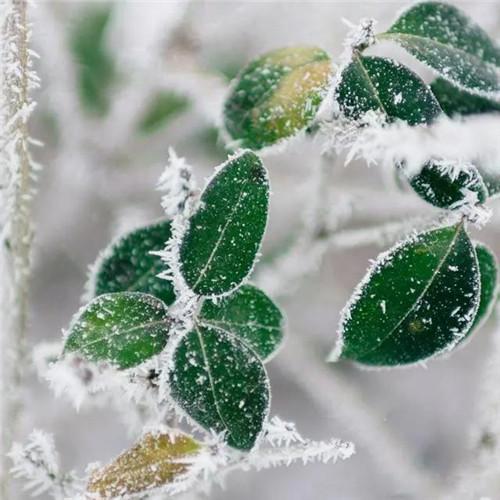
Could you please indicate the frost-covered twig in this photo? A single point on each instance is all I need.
(38, 464)
(17, 174)
(466, 139)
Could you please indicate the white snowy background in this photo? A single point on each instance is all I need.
(99, 179)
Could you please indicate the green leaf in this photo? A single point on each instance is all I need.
(435, 185)
(220, 246)
(276, 96)
(163, 107)
(248, 314)
(455, 101)
(222, 384)
(127, 265)
(442, 37)
(491, 181)
(95, 67)
(386, 86)
(418, 300)
(488, 271)
(123, 329)
(156, 460)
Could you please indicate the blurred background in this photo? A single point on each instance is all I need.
(121, 82)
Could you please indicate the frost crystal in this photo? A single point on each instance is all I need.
(178, 185)
(38, 463)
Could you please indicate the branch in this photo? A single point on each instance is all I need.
(17, 171)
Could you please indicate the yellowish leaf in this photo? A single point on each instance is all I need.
(156, 460)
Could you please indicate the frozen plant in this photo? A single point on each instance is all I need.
(170, 308)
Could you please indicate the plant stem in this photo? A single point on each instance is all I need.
(17, 173)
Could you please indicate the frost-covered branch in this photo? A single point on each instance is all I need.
(466, 139)
(17, 174)
(38, 464)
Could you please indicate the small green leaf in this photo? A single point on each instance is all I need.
(123, 329)
(156, 460)
(249, 314)
(276, 96)
(127, 265)
(383, 85)
(455, 101)
(489, 278)
(418, 300)
(95, 67)
(220, 246)
(435, 184)
(163, 107)
(222, 384)
(445, 39)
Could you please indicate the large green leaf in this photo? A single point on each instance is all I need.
(249, 314)
(489, 278)
(123, 329)
(417, 300)
(455, 101)
(276, 96)
(445, 39)
(386, 86)
(127, 265)
(95, 68)
(221, 243)
(156, 460)
(221, 383)
(438, 186)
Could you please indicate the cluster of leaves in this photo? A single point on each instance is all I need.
(216, 371)
(427, 294)
(419, 299)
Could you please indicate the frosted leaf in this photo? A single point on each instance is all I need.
(249, 314)
(429, 305)
(127, 264)
(385, 86)
(156, 460)
(488, 270)
(221, 384)
(445, 39)
(449, 185)
(124, 329)
(221, 243)
(455, 101)
(276, 96)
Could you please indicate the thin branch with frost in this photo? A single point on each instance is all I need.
(468, 139)
(38, 464)
(17, 173)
